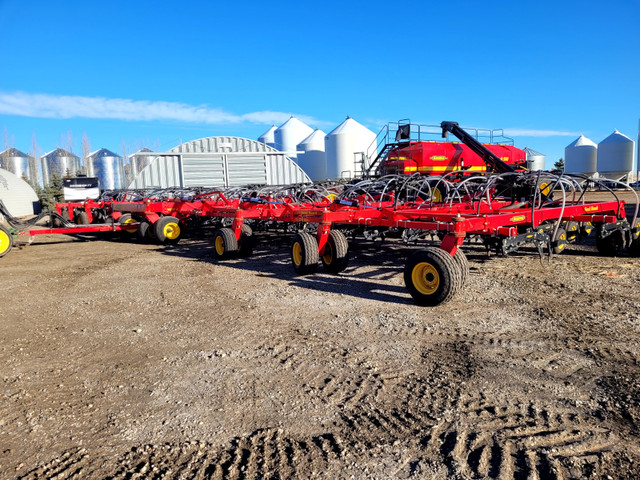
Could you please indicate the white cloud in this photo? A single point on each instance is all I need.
(521, 132)
(70, 106)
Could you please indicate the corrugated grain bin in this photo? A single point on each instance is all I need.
(535, 160)
(59, 162)
(16, 162)
(108, 167)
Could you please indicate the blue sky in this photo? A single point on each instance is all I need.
(155, 73)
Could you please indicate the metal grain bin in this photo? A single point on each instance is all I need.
(108, 167)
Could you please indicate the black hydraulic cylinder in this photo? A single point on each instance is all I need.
(492, 161)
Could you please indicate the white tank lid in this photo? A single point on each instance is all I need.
(581, 141)
(616, 137)
(293, 122)
(269, 133)
(348, 126)
(316, 136)
(532, 153)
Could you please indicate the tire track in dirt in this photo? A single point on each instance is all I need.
(525, 441)
(516, 439)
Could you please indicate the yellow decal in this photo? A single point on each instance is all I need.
(410, 169)
(518, 218)
(439, 157)
(591, 209)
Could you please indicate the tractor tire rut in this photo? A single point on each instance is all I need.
(123, 360)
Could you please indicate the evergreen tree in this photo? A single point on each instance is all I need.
(52, 193)
(559, 165)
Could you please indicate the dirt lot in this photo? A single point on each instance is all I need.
(123, 360)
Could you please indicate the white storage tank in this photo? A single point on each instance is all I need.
(615, 156)
(535, 160)
(288, 135)
(345, 147)
(580, 156)
(268, 137)
(313, 159)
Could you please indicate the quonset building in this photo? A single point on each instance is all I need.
(17, 195)
(218, 161)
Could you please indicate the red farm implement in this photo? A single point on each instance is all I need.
(505, 208)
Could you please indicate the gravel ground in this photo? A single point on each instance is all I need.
(124, 360)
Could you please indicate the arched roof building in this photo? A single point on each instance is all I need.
(219, 161)
(17, 195)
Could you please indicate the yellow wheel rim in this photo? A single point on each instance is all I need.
(297, 254)
(436, 195)
(328, 254)
(171, 230)
(425, 278)
(133, 229)
(5, 241)
(220, 245)
(545, 189)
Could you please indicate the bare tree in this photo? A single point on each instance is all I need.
(34, 160)
(125, 170)
(86, 151)
(66, 141)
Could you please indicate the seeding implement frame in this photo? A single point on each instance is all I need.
(507, 210)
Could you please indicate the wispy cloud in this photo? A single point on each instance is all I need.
(523, 132)
(39, 105)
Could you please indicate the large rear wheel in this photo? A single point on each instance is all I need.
(126, 219)
(304, 253)
(612, 244)
(247, 241)
(6, 241)
(432, 276)
(82, 218)
(336, 252)
(168, 230)
(461, 260)
(224, 243)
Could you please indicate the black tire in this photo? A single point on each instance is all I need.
(612, 244)
(124, 219)
(585, 229)
(143, 234)
(247, 241)
(304, 253)
(461, 260)
(432, 276)
(560, 243)
(108, 234)
(438, 193)
(634, 248)
(82, 218)
(168, 230)
(573, 231)
(60, 223)
(336, 253)
(6, 241)
(224, 243)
